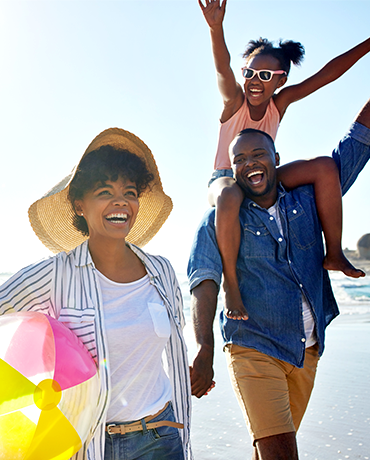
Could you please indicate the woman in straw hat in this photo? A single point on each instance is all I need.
(124, 305)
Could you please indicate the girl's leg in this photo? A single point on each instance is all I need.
(227, 196)
(322, 172)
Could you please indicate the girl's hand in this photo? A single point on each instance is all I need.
(213, 384)
(213, 12)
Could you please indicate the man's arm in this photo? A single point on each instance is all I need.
(353, 151)
(204, 274)
(203, 309)
(364, 116)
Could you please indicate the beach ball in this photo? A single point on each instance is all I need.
(49, 388)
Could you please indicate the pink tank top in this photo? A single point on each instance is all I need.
(239, 121)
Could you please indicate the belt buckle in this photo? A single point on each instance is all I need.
(109, 427)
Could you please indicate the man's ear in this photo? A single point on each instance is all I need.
(282, 82)
(277, 159)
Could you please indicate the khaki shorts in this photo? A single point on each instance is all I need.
(272, 394)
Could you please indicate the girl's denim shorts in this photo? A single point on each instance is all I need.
(217, 173)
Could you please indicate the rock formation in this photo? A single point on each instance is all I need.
(363, 246)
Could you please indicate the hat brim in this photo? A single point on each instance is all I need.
(51, 217)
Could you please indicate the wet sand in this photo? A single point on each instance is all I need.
(336, 425)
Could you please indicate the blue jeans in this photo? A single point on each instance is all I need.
(162, 443)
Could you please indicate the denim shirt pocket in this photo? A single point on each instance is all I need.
(258, 242)
(301, 228)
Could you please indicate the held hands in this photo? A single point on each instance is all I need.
(201, 375)
(213, 384)
(213, 12)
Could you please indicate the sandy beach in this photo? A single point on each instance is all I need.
(336, 425)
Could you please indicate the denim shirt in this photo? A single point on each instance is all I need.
(275, 269)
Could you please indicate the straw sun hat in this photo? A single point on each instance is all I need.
(51, 217)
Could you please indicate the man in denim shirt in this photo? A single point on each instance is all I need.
(272, 356)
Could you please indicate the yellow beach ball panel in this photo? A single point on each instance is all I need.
(47, 394)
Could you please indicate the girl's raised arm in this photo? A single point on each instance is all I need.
(330, 72)
(231, 91)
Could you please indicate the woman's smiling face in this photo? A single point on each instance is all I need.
(110, 208)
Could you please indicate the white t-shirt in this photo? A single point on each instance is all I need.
(138, 328)
(308, 321)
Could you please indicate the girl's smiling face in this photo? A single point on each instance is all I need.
(110, 209)
(256, 90)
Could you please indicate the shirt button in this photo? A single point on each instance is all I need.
(301, 286)
(294, 211)
(271, 218)
(303, 339)
(280, 240)
(258, 233)
(289, 261)
(254, 205)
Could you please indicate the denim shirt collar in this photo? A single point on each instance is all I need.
(248, 203)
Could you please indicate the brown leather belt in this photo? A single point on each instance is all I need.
(138, 426)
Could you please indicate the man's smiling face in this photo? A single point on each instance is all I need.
(254, 162)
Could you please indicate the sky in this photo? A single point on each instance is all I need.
(72, 68)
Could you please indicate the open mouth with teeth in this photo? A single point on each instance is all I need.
(255, 92)
(255, 177)
(117, 218)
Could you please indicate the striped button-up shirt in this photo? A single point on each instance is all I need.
(66, 287)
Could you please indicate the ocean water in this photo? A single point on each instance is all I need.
(353, 295)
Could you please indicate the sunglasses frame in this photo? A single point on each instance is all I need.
(273, 72)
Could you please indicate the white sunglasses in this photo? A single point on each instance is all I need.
(263, 75)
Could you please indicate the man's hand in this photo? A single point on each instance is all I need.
(201, 373)
(213, 12)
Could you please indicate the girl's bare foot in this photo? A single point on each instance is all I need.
(340, 262)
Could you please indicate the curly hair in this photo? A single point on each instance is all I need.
(286, 53)
(101, 165)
